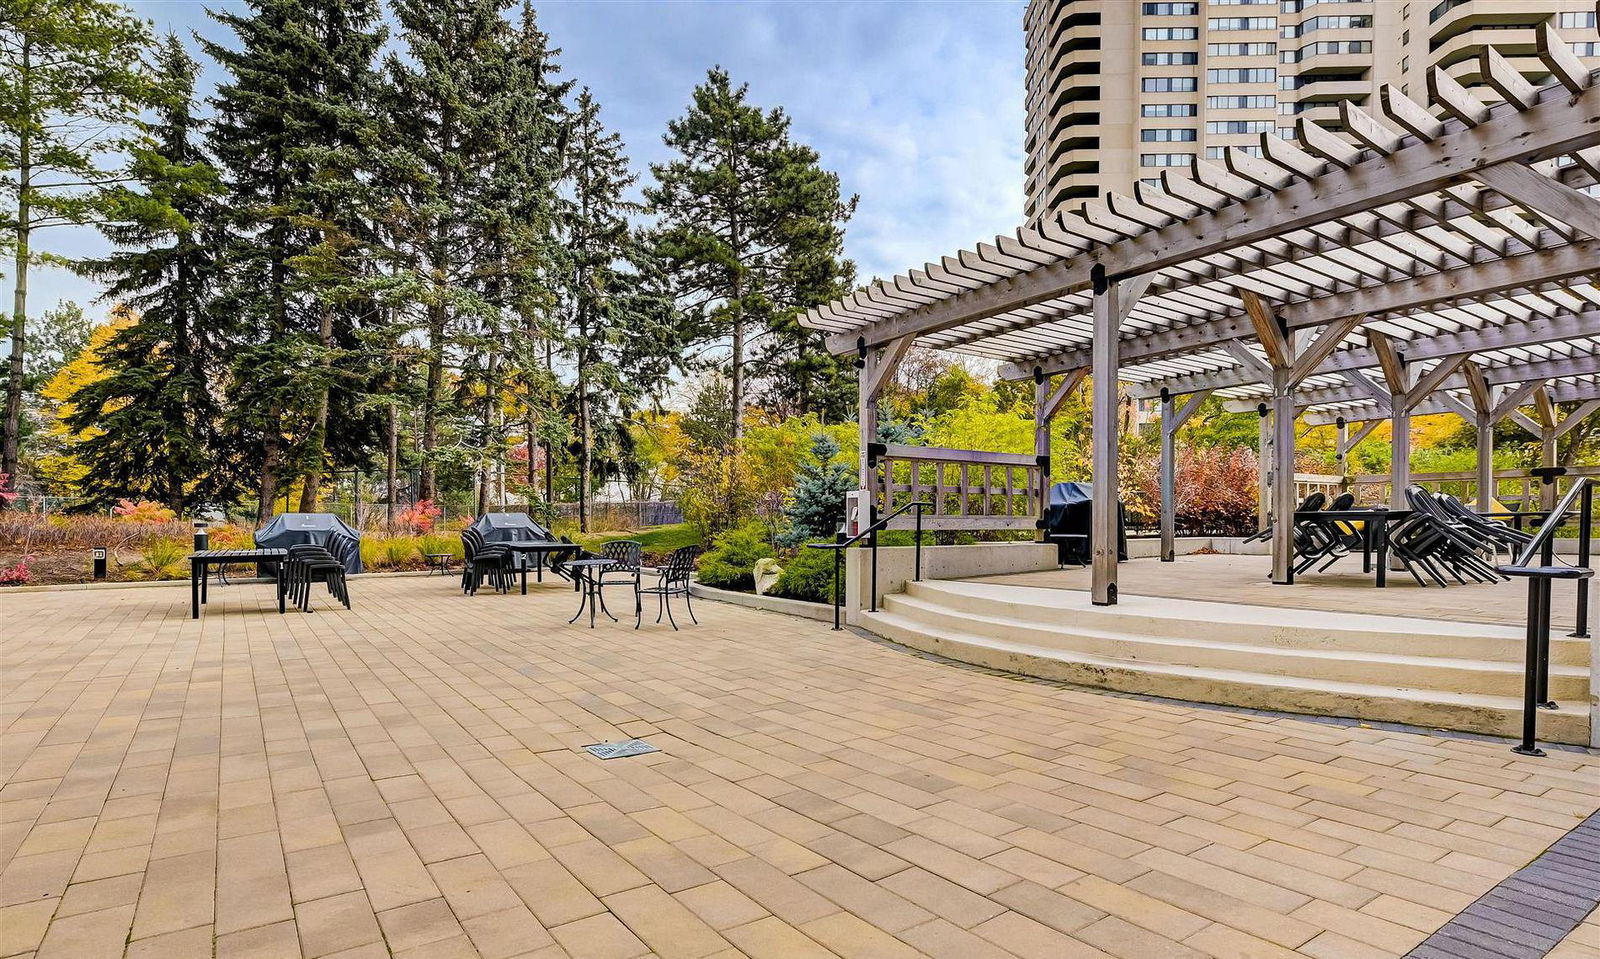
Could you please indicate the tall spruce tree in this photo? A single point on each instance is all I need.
(619, 316)
(294, 131)
(73, 81)
(750, 223)
(464, 106)
(153, 419)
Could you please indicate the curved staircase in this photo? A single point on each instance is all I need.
(1421, 672)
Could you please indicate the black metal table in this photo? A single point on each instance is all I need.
(200, 561)
(1374, 533)
(586, 577)
(540, 549)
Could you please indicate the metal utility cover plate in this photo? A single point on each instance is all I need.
(619, 750)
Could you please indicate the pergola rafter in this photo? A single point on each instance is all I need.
(1455, 250)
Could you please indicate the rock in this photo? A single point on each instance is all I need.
(767, 572)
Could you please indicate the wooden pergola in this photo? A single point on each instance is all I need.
(1416, 261)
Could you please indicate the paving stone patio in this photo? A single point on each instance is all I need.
(407, 779)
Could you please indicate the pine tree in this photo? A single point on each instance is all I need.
(295, 124)
(598, 241)
(156, 410)
(751, 224)
(817, 509)
(72, 84)
(457, 162)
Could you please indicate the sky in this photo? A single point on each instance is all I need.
(916, 104)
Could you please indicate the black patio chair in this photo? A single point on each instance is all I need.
(1430, 541)
(309, 563)
(480, 558)
(1498, 534)
(1330, 540)
(674, 581)
(627, 556)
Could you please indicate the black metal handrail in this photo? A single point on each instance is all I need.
(1537, 564)
(840, 544)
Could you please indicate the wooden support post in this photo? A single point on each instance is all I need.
(1484, 425)
(877, 370)
(1400, 462)
(1545, 416)
(1112, 300)
(1264, 473)
(1169, 478)
(1046, 403)
(1283, 498)
(1172, 419)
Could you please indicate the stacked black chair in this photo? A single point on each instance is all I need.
(674, 581)
(1500, 535)
(1433, 541)
(482, 558)
(1327, 540)
(627, 556)
(308, 563)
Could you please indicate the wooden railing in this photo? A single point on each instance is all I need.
(1516, 489)
(969, 489)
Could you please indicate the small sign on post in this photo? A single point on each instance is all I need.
(99, 554)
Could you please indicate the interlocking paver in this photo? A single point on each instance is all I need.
(405, 779)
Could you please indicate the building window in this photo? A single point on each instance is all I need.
(1239, 3)
(1241, 49)
(1169, 33)
(1242, 75)
(1326, 47)
(1167, 135)
(1576, 21)
(1168, 110)
(1168, 84)
(1240, 126)
(1405, 11)
(1166, 159)
(1215, 153)
(1405, 38)
(1235, 102)
(1360, 22)
(1405, 64)
(1586, 49)
(1171, 9)
(1243, 23)
(1169, 59)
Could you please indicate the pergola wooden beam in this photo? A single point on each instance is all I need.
(1495, 277)
(1506, 134)
(1535, 332)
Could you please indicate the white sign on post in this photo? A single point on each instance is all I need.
(855, 503)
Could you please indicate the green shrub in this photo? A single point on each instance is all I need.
(163, 559)
(439, 543)
(387, 552)
(808, 576)
(731, 562)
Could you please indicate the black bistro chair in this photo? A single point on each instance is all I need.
(627, 556)
(480, 558)
(674, 581)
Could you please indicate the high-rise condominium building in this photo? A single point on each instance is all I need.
(1120, 90)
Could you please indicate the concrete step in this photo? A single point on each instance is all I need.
(1216, 665)
(1489, 677)
(1276, 627)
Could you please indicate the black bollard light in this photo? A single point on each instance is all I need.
(99, 553)
(202, 535)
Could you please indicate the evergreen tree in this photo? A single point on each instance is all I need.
(752, 227)
(295, 126)
(475, 121)
(72, 84)
(817, 509)
(614, 318)
(154, 417)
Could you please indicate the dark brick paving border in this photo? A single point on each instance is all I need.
(1530, 911)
